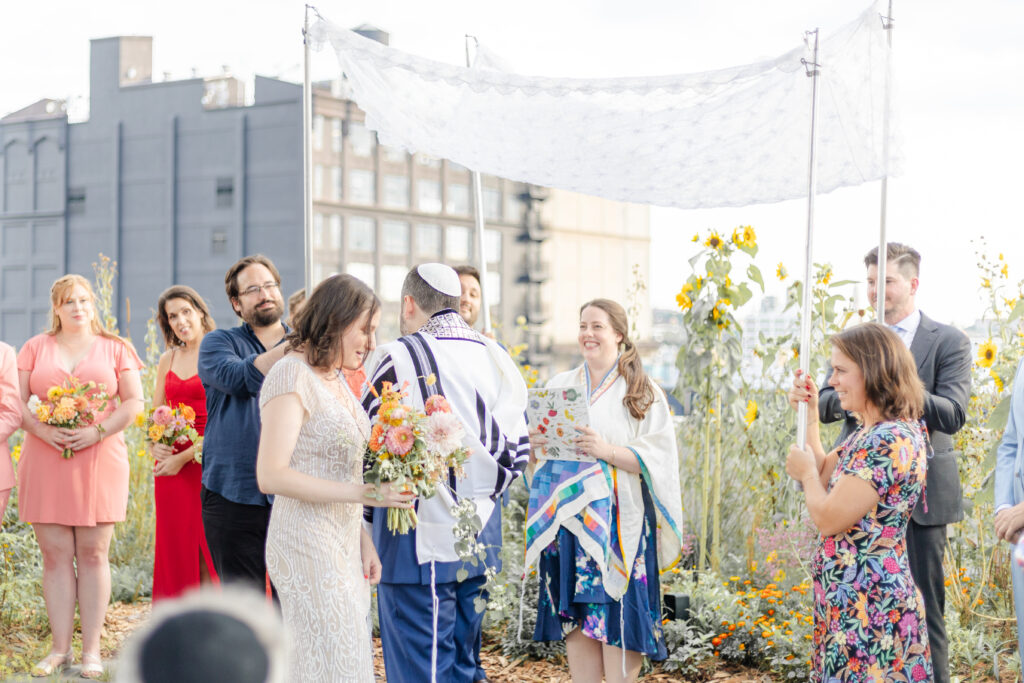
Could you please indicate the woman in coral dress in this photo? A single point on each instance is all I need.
(73, 503)
(182, 559)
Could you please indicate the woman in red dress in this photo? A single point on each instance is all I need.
(182, 558)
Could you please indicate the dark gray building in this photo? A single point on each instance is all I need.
(173, 180)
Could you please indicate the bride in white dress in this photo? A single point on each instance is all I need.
(312, 441)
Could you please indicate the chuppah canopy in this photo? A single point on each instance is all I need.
(730, 137)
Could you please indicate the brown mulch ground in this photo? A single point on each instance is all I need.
(123, 618)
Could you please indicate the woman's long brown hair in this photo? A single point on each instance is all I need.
(639, 394)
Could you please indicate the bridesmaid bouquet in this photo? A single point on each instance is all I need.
(70, 405)
(414, 449)
(170, 426)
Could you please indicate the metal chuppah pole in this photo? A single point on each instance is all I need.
(887, 24)
(813, 69)
(478, 215)
(307, 161)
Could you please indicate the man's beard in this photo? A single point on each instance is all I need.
(258, 317)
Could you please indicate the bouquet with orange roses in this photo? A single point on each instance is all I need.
(171, 426)
(70, 405)
(414, 449)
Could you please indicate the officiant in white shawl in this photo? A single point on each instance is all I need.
(424, 639)
(603, 529)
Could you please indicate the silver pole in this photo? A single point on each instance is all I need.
(307, 160)
(882, 239)
(478, 215)
(812, 189)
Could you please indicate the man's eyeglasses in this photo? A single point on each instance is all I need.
(268, 287)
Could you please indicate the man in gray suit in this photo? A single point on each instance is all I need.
(943, 355)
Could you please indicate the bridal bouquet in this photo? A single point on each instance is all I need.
(70, 405)
(171, 426)
(414, 449)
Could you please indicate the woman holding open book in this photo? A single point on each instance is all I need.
(607, 519)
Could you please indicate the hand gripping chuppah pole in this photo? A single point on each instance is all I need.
(307, 160)
(887, 24)
(478, 215)
(813, 69)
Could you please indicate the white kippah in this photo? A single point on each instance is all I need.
(441, 277)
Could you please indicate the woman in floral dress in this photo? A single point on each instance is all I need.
(869, 620)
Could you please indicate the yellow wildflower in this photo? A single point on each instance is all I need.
(683, 297)
(140, 420)
(781, 272)
(997, 380)
(155, 432)
(53, 393)
(826, 277)
(714, 241)
(696, 238)
(986, 283)
(749, 236)
(751, 412)
(1004, 271)
(987, 354)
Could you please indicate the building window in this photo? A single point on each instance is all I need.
(396, 191)
(334, 231)
(225, 192)
(361, 140)
(457, 168)
(428, 161)
(492, 246)
(492, 203)
(493, 288)
(428, 240)
(339, 183)
(361, 186)
(394, 238)
(457, 244)
(362, 233)
(218, 242)
(321, 271)
(458, 199)
(364, 271)
(318, 132)
(513, 208)
(76, 200)
(335, 135)
(391, 279)
(394, 155)
(318, 181)
(318, 231)
(428, 195)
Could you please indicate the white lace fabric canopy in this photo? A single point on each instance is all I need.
(730, 137)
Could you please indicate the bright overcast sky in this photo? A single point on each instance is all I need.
(959, 65)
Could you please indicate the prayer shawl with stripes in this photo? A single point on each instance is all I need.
(486, 392)
(602, 505)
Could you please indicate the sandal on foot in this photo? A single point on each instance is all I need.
(92, 666)
(55, 661)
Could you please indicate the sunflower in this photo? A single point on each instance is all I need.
(737, 237)
(986, 283)
(683, 297)
(751, 414)
(714, 241)
(1004, 271)
(749, 236)
(987, 354)
(781, 272)
(997, 380)
(696, 238)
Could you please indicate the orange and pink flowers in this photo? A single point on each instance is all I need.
(170, 426)
(414, 449)
(70, 405)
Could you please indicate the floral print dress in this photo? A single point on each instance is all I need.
(869, 622)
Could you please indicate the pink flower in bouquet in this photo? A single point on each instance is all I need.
(443, 432)
(437, 404)
(178, 423)
(162, 415)
(399, 440)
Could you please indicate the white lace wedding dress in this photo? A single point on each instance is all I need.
(313, 554)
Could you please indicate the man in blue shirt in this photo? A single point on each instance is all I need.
(232, 365)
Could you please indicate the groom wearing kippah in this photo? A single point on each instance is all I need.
(487, 393)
